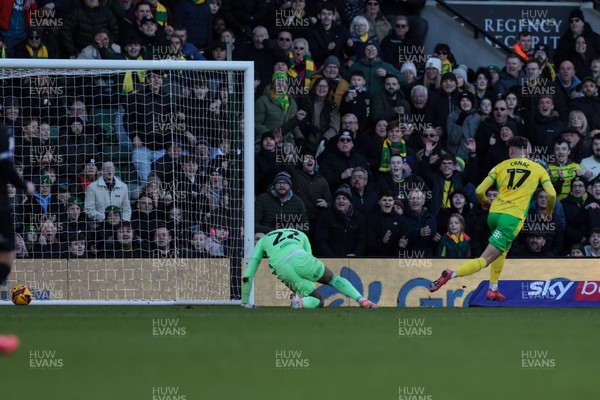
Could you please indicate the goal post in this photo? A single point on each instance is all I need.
(144, 173)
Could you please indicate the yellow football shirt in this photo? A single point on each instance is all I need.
(516, 180)
(569, 172)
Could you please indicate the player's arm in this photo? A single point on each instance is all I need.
(251, 269)
(551, 194)
(482, 188)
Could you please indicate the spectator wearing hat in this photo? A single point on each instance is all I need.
(542, 56)
(387, 231)
(339, 86)
(31, 234)
(432, 78)
(153, 39)
(328, 37)
(577, 26)
(511, 74)
(15, 19)
(591, 164)
(462, 126)
(34, 47)
(218, 51)
(390, 104)
(42, 203)
(278, 112)
(130, 23)
(108, 190)
(279, 207)
(337, 164)
(573, 209)
(375, 70)
(462, 79)
(562, 169)
(82, 23)
(498, 149)
(409, 70)
(588, 103)
(593, 248)
(266, 164)
(445, 101)
(341, 231)
(398, 47)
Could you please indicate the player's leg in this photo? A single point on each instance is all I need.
(499, 240)
(344, 286)
(301, 287)
(7, 248)
(498, 264)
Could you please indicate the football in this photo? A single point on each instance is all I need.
(21, 295)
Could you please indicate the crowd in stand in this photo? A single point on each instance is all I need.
(363, 140)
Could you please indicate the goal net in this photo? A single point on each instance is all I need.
(143, 178)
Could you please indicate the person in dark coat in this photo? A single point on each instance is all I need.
(387, 231)
(340, 230)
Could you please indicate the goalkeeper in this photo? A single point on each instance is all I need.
(291, 259)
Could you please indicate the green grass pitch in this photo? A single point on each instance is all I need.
(180, 353)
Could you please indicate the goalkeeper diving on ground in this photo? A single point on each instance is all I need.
(291, 260)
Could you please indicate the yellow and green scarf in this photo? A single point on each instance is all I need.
(128, 84)
(388, 150)
(42, 52)
(309, 69)
(161, 15)
(282, 98)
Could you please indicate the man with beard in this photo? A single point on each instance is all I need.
(389, 103)
(279, 207)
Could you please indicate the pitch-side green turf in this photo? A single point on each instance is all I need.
(179, 353)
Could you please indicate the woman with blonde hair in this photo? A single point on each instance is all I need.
(578, 120)
(301, 65)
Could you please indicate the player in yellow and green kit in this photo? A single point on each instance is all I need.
(290, 258)
(516, 179)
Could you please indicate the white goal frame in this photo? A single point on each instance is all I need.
(247, 68)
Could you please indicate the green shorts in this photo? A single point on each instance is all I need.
(504, 228)
(300, 273)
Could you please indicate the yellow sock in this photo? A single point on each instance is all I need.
(471, 266)
(496, 269)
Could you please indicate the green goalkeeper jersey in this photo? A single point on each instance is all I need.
(279, 245)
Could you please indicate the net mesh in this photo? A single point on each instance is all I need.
(137, 172)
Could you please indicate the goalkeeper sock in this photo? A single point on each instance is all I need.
(4, 271)
(345, 287)
(496, 269)
(310, 302)
(471, 266)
